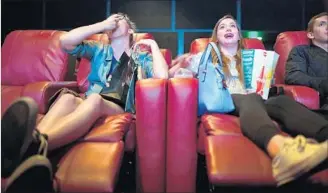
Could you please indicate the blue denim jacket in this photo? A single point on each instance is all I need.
(101, 58)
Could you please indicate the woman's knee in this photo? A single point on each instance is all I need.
(66, 100)
(94, 100)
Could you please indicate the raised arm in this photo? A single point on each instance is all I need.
(73, 38)
(160, 67)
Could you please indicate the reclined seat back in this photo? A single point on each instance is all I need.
(29, 56)
(284, 43)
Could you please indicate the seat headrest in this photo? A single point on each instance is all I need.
(32, 56)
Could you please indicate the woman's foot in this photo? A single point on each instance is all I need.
(297, 157)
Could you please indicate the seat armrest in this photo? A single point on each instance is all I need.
(151, 134)
(42, 91)
(110, 128)
(302, 94)
(181, 148)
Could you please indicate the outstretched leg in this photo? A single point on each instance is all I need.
(68, 128)
(296, 118)
(292, 157)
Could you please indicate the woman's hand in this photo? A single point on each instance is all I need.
(148, 42)
(183, 61)
(183, 73)
(179, 59)
(111, 22)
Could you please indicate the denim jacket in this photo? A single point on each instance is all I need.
(101, 61)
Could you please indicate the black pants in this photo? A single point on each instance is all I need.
(255, 118)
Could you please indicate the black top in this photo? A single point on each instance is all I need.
(117, 87)
(308, 65)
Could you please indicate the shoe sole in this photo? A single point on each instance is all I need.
(31, 121)
(303, 167)
(33, 175)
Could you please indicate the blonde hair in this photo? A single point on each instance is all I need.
(225, 60)
(312, 21)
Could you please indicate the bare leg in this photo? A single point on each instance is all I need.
(76, 124)
(66, 104)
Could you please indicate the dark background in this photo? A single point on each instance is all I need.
(169, 21)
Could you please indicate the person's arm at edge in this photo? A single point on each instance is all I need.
(160, 67)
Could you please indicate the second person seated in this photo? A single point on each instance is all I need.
(291, 156)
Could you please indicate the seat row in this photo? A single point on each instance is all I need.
(166, 137)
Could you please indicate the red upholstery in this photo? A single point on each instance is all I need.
(9, 94)
(181, 155)
(141, 130)
(105, 147)
(181, 172)
(231, 158)
(31, 56)
(151, 136)
(284, 43)
(28, 57)
(94, 163)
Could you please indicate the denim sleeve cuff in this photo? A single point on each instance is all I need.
(75, 50)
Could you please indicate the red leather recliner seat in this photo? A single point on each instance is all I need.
(148, 132)
(93, 163)
(231, 158)
(28, 59)
(284, 43)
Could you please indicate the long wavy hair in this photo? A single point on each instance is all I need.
(225, 60)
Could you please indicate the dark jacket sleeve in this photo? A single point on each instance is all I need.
(296, 70)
